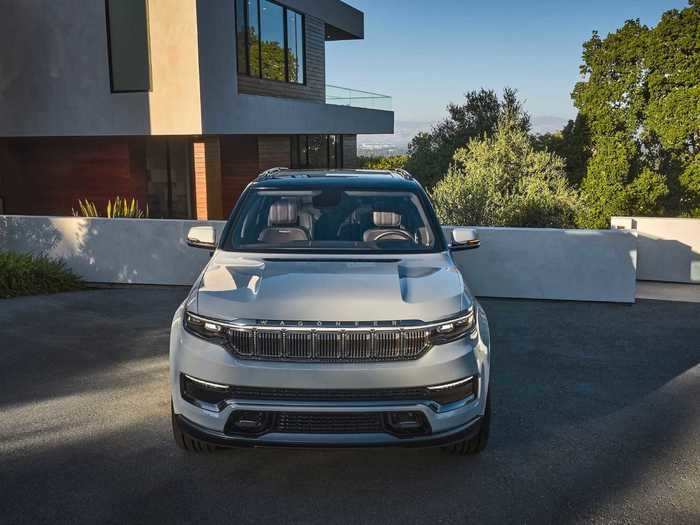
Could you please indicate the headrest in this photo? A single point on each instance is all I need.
(386, 219)
(283, 213)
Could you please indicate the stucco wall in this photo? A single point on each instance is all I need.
(524, 263)
(668, 249)
(110, 251)
(226, 111)
(54, 73)
(541, 263)
(54, 76)
(174, 101)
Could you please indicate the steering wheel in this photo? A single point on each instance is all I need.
(403, 233)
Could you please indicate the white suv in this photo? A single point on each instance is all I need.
(331, 314)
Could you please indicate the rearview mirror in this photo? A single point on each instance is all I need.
(464, 239)
(202, 237)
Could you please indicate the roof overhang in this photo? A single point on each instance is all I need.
(343, 22)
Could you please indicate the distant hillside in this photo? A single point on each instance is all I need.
(404, 131)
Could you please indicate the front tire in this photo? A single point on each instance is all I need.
(471, 447)
(186, 442)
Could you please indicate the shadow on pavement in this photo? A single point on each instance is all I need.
(595, 418)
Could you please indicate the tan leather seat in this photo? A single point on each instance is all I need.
(283, 224)
(388, 226)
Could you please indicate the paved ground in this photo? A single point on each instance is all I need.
(596, 418)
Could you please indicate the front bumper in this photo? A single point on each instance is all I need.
(466, 431)
(451, 362)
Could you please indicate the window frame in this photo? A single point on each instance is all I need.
(299, 143)
(110, 58)
(246, 24)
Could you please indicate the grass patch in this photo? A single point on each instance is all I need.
(23, 274)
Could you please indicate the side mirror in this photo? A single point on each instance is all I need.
(464, 239)
(202, 237)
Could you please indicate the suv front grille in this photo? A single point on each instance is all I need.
(338, 423)
(328, 345)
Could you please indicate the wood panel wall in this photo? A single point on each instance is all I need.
(47, 176)
(244, 157)
(239, 166)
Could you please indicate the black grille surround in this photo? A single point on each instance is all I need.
(329, 423)
(400, 344)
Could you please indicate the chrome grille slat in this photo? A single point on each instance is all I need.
(328, 345)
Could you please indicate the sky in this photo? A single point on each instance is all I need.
(426, 54)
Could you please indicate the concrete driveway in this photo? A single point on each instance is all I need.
(596, 418)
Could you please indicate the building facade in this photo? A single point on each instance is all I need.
(177, 103)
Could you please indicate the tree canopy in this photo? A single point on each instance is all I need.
(503, 180)
(639, 101)
(430, 154)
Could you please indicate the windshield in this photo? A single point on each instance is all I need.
(331, 220)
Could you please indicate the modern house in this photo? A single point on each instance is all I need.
(177, 103)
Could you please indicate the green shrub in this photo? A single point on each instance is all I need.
(23, 274)
(119, 209)
(383, 163)
(503, 180)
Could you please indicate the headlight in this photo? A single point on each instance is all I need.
(205, 328)
(458, 327)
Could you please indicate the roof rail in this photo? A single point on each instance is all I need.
(405, 174)
(270, 173)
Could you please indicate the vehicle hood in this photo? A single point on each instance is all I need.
(422, 288)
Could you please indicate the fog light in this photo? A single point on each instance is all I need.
(249, 422)
(407, 423)
(404, 420)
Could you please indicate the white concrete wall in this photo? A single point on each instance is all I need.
(579, 265)
(108, 250)
(541, 263)
(668, 249)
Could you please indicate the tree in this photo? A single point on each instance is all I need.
(383, 163)
(430, 154)
(573, 144)
(503, 180)
(640, 98)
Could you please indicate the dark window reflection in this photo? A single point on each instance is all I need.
(270, 41)
(272, 36)
(316, 151)
(254, 37)
(241, 38)
(295, 46)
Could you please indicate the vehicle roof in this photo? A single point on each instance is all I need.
(343, 178)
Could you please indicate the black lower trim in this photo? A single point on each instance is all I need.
(467, 431)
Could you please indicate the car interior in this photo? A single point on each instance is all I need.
(307, 219)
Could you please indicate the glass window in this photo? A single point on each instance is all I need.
(254, 37)
(332, 151)
(241, 47)
(318, 151)
(332, 219)
(270, 41)
(127, 28)
(272, 37)
(295, 46)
